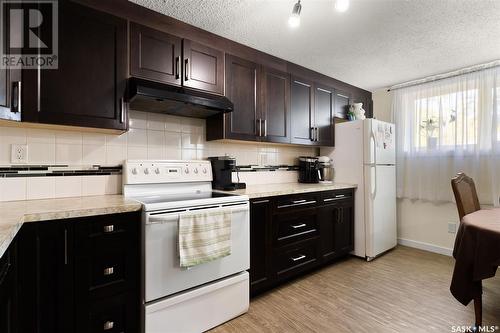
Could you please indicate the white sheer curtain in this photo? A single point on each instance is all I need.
(445, 127)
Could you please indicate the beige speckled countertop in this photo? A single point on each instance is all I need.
(270, 190)
(14, 213)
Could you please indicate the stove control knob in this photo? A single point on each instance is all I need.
(146, 171)
(204, 170)
(196, 170)
(157, 171)
(134, 171)
(186, 171)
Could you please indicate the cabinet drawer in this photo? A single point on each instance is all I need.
(296, 258)
(331, 197)
(294, 227)
(109, 315)
(116, 226)
(293, 202)
(107, 269)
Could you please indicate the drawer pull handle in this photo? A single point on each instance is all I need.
(298, 258)
(338, 197)
(109, 271)
(108, 325)
(296, 226)
(298, 203)
(109, 228)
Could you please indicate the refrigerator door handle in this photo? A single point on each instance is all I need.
(374, 164)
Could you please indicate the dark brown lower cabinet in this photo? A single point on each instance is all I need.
(8, 290)
(295, 233)
(80, 275)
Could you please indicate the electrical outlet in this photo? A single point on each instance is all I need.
(19, 154)
(452, 227)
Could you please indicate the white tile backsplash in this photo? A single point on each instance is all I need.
(151, 135)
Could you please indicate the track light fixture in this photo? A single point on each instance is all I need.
(294, 20)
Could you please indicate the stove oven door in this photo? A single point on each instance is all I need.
(163, 274)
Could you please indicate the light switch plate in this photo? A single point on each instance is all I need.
(19, 154)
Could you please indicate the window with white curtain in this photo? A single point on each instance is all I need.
(447, 126)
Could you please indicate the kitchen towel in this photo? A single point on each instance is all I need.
(204, 237)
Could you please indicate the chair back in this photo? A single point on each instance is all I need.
(465, 194)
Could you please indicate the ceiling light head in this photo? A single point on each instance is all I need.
(294, 20)
(341, 5)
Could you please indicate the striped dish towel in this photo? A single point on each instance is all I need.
(204, 236)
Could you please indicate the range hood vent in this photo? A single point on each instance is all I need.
(156, 97)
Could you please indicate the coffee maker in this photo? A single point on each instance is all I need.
(222, 171)
(308, 169)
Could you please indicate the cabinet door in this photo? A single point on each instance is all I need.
(88, 87)
(10, 79)
(155, 55)
(323, 115)
(203, 67)
(342, 101)
(46, 278)
(260, 249)
(302, 109)
(8, 291)
(276, 105)
(344, 228)
(242, 80)
(329, 217)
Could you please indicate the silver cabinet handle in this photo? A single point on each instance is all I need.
(186, 69)
(177, 67)
(312, 134)
(260, 202)
(296, 226)
(298, 258)
(65, 246)
(265, 127)
(298, 201)
(109, 271)
(336, 198)
(108, 325)
(16, 97)
(259, 124)
(109, 228)
(122, 110)
(317, 134)
(298, 204)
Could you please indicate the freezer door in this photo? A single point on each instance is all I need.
(379, 147)
(380, 209)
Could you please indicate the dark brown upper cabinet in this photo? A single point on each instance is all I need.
(323, 115)
(342, 102)
(155, 55)
(203, 67)
(10, 79)
(302, 111)
(242, 87)
(275, 112)
(158, 56)
(312, 113)
(88, 88)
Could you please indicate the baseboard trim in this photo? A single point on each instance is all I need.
(426, 246)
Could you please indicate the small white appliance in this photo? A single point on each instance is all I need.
(177, 299)
(364, 154)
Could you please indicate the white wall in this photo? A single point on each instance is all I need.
(420, 224)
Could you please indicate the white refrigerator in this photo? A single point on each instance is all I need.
(364, 154)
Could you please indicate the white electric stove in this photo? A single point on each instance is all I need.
(195, 299)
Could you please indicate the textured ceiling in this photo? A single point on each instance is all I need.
(376, 43)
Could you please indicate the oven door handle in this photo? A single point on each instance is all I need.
(166, 218)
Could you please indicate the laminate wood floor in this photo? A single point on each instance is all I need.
(406, 290)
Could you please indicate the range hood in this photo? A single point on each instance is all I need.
(156, 97)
